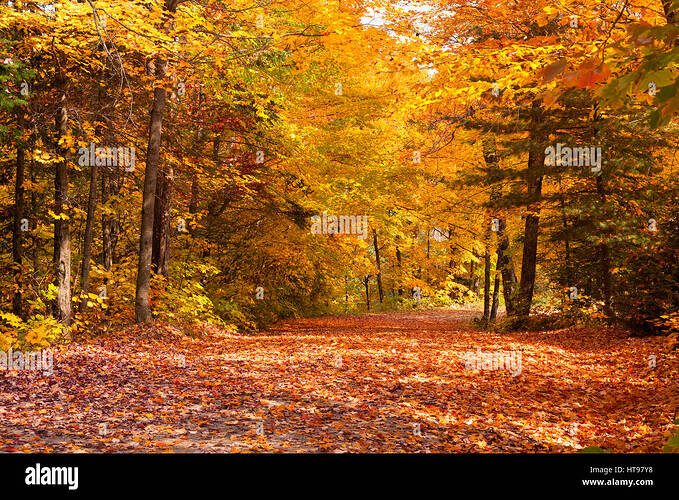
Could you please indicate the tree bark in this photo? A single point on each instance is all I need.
(161, 222)
(366, 282)
(62, 235)
(496, 296)
(605, 259)
(536, 160)
(398, 261)
(379, 267)
(506, 268)
(142, 307)
(87, 245)
(142, 299)
(486, 276)
(106, 222)
(566, 239)
(17, 240)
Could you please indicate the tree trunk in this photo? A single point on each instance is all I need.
(379, 267)
(106, 222)
(506, 269)
(366, 282)
(566, 240)
(474, 280)
(142, 299)
(536, 161)
(62, 235)
(87, 246)
(605, 259)
(142, 306)
(504, 266)
(34, 201)
(193, 203)
(486, 277)
(451, 249)
(496, 296)
(398, 261)
(161, 223)
(17, 240)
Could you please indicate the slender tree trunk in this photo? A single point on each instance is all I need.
(451, 248)
(605, 259)
(106, 222)
(17, 240)
(366, 282)
(142, 299)
(379, 266)
(398, 262)
(193, 203)
(62, 233)
(566, 239)
(475, 281)
(496, 296)
(506, 269)
(486, 276)
(529, 261)
(536, 161)
(34, 201)
(161, 222)
(89, 229)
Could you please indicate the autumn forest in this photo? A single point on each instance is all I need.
(337, 226)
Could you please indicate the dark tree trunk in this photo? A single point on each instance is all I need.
(34, 201)
(106, 222)
(536, 161)
(496, 296)
(17, 240)
(142, 299)
(566, 239)
(605, 258)
(506, 269)
(398, 261)
(87, 246)
(142, 306)
(486, 278)
(451, 248)
(161, 223)
(193, 203)
(366, 282)
(379, 266)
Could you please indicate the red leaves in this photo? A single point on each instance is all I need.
(588, 75)
(551, 71)
(402, 387)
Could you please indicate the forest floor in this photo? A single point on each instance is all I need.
(393, 382)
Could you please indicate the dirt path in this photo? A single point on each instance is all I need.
(378, 383)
